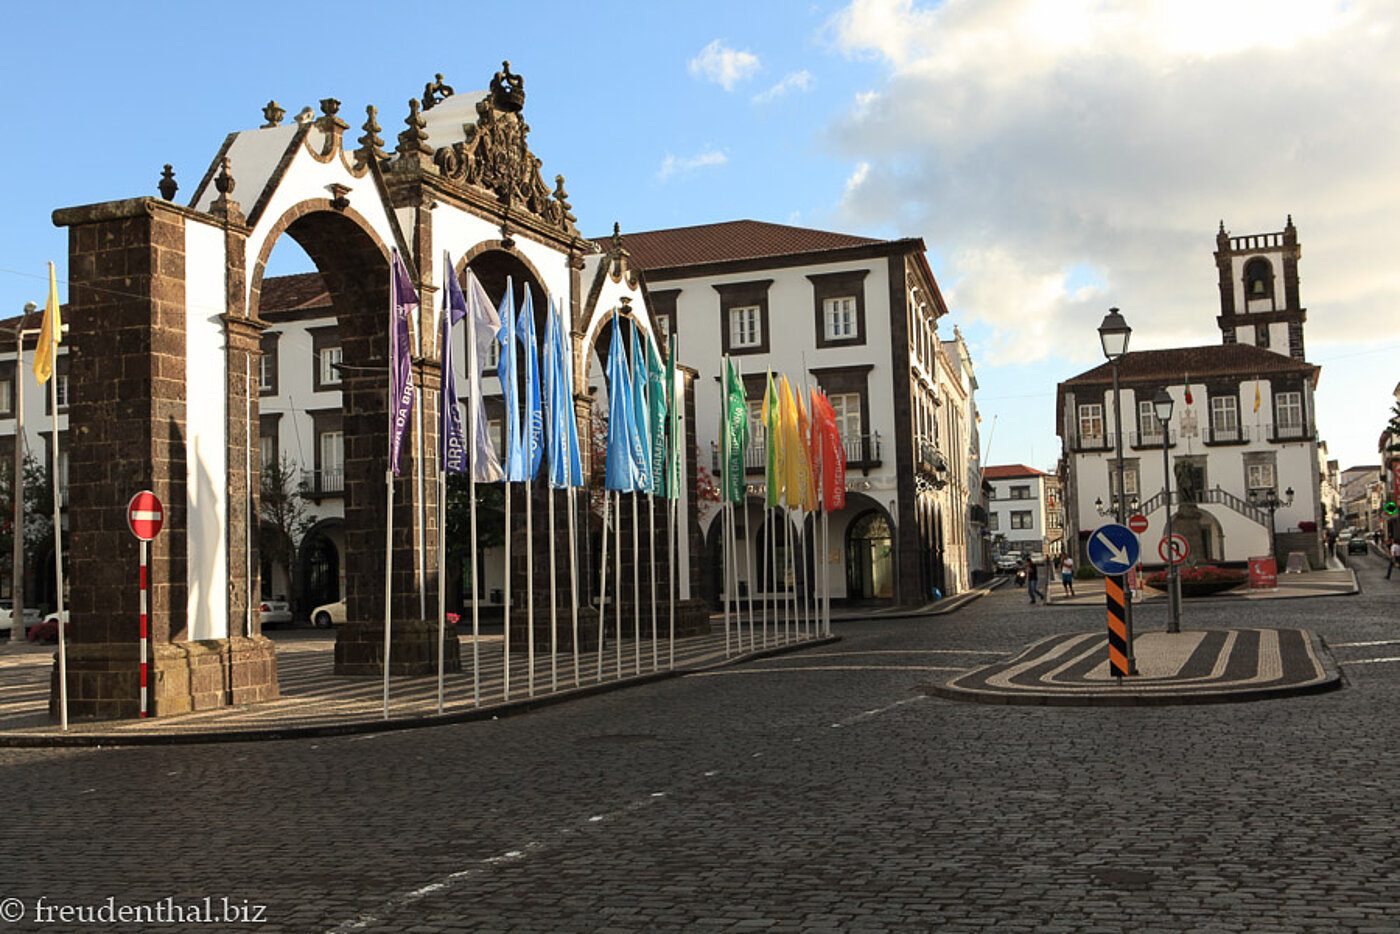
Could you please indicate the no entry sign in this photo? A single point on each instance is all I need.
(1138, 523)
(145, 515)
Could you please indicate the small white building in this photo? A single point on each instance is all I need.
(1018, 509)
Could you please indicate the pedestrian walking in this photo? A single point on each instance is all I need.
(1393, 549)
(1067, 575)
(1032, 576)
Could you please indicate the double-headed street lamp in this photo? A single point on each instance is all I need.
(1162, 406)
(1113, 335)
(1269, 500)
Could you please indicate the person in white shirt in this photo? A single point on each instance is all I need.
(1394, 550)
(1067, 575)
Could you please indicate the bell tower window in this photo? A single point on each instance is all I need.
(1258, 279)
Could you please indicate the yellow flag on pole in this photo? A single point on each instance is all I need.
(1256, 395)
(51, 334)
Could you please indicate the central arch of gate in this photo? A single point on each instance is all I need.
(165, 301)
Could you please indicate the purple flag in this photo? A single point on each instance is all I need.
(403, 302)
(452, 454)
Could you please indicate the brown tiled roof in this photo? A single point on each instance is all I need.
(1178, 363)
(293, 293)
(727, 241)
(1007, 471)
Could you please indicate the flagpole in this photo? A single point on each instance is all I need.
(388, 573)
(573, 577)
(636, 590)
(748, 570)
(553, 602)
(727, 530)
(418, 472)
(505, 671)
(617, 582)
(724, 500)
(442, 579)
(655, 632)
(18, 490)
(474, 384)
(671, 569)
(603, 586)
(789, 599)
(530, 568)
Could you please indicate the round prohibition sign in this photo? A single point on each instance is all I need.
(1138, 523)
(1174, 549)
(145, 515)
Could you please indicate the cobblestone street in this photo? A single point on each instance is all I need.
(818, 791)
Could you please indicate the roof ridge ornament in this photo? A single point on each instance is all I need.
(413, 151)
(224, 206)
(507, 90)
(273, 114)
(371, 144)
(167, 185)
(435, 92)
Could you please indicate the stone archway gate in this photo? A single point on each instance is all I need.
(164, 338)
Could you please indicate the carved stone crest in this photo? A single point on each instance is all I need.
(494, 154)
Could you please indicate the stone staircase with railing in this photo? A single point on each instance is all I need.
(1216, 496)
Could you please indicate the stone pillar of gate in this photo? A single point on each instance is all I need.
(142, 273)
(413, 632)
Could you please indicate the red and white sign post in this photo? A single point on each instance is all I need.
(144, 515)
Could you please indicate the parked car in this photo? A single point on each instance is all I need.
(275, 612)
(328, 615)
(47, 630)
(1357, 546)
(1009, 562)
(32, 616)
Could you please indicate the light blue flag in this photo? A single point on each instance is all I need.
(505, 371)
(533, 416)
(641, 420)
(656, 406)
(561, 426)
(621, 463)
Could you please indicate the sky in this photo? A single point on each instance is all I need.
(1057, 157)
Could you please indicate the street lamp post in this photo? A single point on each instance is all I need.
(1162, 405)
(1113, 336)
(1269, 500)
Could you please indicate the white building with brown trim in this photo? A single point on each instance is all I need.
(857, 317)
(1244, 440)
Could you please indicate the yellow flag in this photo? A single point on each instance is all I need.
(808, 494)
(51, 334)
(791, 442)
(1256, 395)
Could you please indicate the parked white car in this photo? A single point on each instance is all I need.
(32, 616)
(328, 615)
(275, 612)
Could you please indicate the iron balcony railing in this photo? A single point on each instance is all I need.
(1151, 439)
(1101, 441)
(323, 482)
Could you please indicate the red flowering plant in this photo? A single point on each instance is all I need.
(1200, 574)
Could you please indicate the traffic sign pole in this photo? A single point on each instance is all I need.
(145, 516)
(1119, 651)
(144, 629)
(1114, 549)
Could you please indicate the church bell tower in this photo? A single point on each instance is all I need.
(1259, 290)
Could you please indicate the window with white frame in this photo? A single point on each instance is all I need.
(1020, 492)
(847, 408)
(1091, 422)
(267, 452)
(330, 362)
(756, 426)
(1130, 480)
(1288, 412)
(1021, 519)
(840, 316)
(1224, 418)
(744, 330)
(1260, 476)
(993, 520)
(61, 389)
(332, 460)
(1149, 428)
(7, 397)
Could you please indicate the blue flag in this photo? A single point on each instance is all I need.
(641, 419)
(402, 305)
(452, 446)
(505, 372)
(562, 428)
(533, 416)
(621, 464)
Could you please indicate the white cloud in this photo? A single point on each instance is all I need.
(799, 80)
(723, 65)
(1028, 139)
(672, 165)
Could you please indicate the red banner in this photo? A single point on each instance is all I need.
(1263, 574)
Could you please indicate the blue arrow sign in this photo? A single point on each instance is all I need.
(1113, 549)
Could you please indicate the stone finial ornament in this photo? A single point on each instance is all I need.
(507, 90)
(413, 151)
(273, 114)
(435, 92)
(224, 206)
(224, 180)
(167, 185)
(305, 116)
(562, 196)
(371, 145)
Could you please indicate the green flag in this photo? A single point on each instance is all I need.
(772, 443)
(675, 466)
(736, 433)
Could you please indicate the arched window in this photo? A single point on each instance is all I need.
(1258, 279)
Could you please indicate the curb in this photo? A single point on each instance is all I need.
(474, 714)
